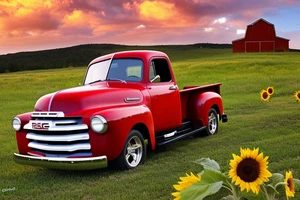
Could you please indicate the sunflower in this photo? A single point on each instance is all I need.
(185, 182)
(270, 90)
(289, 187)
(264, 95)
(297, 95)
(249, 170)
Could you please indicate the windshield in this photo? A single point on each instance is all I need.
(119, 70)
(97, 72)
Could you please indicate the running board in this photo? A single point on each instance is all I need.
(174, 136)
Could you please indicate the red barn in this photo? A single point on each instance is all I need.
(260, 37)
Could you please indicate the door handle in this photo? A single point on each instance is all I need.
(173, 87)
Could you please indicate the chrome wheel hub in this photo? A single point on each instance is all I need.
(212, 123)
(134, 151)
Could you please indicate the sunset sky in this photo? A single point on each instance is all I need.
(30, 25)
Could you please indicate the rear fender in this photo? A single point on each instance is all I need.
(200, 104)
(120, 121)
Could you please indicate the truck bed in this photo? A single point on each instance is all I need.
(189, 91)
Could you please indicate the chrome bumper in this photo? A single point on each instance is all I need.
(62, 163)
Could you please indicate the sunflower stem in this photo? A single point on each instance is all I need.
(268, 197)
(232, 189)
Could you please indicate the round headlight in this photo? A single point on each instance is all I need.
(16, 124)
(99, 124)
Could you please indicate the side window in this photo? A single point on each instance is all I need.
(152, 71)
(159, 71)
(134, 73)
(126, 69)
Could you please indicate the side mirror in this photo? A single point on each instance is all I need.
(156, 79)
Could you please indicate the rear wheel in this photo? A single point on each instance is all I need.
(213, 122)
(133, 154)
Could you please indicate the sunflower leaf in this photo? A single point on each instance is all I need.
(276, 178)
(208, 164)
(200, 190)
(212, 176)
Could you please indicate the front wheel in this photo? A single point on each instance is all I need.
(213, 122)
(133, 154)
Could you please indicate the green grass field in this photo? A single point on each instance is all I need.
(272, 126)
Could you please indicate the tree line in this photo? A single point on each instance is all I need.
(75, 56)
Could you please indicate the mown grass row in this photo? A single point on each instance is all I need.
(272, 126)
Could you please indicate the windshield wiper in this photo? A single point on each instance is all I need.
(95, 81)
(116, 79)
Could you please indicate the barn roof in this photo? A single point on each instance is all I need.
(282, 38)
(238, 39)
(252, 24)
(261, 19)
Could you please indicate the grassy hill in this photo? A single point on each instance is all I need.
(272, 126)
(79, 55)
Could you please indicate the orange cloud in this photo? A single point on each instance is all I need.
(76, 18)
(157, 10)
(19, 8)
(161, 13)
(21, 16)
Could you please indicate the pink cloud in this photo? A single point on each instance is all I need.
(70, 22)
(38, 21)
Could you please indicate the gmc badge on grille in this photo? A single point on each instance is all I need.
(41, 126)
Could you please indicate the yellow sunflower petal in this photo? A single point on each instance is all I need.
(254, 153)
(237, 158)
(248, 153)
(239, 181)
(297, 95)
(176, 195)
(243, 153)
(178, 187)
(259, 181)
(248, 187)
(233, 164)
(243, 186)
(254, 187)
(260, 157)
(257, 188)
(187, 181)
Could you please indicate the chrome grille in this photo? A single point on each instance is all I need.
(53, 135)
(47, 114)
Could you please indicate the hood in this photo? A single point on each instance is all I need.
(75, 101)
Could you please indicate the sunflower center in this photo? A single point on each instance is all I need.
(270, 91)
(290, 184)
(248, 170)
(265, 95)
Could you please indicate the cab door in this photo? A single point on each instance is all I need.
(165, 97)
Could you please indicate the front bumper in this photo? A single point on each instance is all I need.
(62, 163)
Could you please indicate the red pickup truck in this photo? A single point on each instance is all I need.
(129, 101)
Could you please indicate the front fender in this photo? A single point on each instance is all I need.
(22, 141)
(200, 104)
(120, 121)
